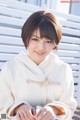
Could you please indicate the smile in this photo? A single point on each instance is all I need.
(40, 53)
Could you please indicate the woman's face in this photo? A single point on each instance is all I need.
(39, 48)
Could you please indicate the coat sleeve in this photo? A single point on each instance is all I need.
(66, 104)
(7, 99)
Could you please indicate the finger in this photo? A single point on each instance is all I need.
(51, 119)
(26, 114)
(47, 116)
(29, 115)
(41, 114)
(18, 116)
(33, 111)
(23, 115)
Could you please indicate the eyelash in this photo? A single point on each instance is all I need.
(35, 39)
(49, 41)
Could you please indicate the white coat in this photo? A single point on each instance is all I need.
(49, 83)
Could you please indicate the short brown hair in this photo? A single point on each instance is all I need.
(47, 24)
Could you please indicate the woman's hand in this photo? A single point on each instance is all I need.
(45, 113)
(24, 112)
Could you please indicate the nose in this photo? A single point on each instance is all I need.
(41, 46)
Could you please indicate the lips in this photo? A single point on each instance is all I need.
(39, 53)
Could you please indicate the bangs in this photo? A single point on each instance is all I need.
(47, 30)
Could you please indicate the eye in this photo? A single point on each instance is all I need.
(49, 41)
(35, 39)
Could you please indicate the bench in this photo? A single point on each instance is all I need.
(12, 16)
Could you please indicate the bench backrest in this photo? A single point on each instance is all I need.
(12, 16)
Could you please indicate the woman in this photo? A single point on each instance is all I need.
(37, 84)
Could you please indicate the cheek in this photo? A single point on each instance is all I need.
(31, 47)
(49, 48)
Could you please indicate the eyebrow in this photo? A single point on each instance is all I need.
(36, 36)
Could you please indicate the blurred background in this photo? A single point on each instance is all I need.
(63, 6)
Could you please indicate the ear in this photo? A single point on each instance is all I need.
(55, 48)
